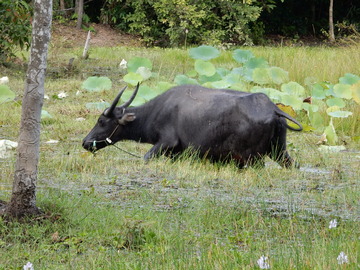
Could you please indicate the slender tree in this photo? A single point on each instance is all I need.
(23, 199)
(80, 13)
(331, 22)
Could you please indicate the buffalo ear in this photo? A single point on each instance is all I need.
(127, 117)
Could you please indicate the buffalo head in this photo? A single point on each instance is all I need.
(110, 123)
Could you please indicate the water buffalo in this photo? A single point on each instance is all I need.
(221, 124)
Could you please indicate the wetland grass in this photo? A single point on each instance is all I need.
(113, 211)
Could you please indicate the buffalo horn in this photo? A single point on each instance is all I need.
(115, 102)
(127, 103)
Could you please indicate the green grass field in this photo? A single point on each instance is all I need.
(113, 211)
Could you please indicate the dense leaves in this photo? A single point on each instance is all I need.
(14, 27)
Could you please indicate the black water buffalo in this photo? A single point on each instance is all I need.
(220, 124)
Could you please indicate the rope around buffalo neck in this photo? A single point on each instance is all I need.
(108, 142)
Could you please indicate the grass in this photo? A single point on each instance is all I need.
(113, 211)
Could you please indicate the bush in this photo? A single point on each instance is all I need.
(175, 22)
(15, 27)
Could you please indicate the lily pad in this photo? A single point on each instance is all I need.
(340, 114)
(97, 106)
(343, 91)
(349, 78)
(355, 88)
(336, 102)
(133, 78)
(148, 93)
(318, 92)
(294, 89)
(242, 56)
(136, 62)
(144, 72)
(6, 94)
(256, 62)
(182, 79)
(204, 68)
(204, 52)
(278, 75)
(97, 84)
(139, 100)
(261, 76)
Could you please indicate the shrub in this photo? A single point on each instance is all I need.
(175, 22)
(15, 27)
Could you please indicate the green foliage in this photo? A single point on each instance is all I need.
(14, 27)
(254, 74)
(6, 94)
(97, 84)
(183, 21)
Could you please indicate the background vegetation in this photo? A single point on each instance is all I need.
(113, 211)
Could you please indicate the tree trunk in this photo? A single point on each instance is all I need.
(80, 12)
(331, 22)
(23, 197)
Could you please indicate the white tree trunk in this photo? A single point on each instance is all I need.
(80, 12)
(331, 22)
(23, 197)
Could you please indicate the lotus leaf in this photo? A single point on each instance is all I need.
(204, 68)
(340, 103)
(349, 79)
(318, 92)
(45, 115)
(242, 56)
(97, 106)
(6, 94)
(139, 100)
(221, 84)
(144, 72)
(340, 114)
(133, 78)
(148, 93)
(355, 88)
(261, 76)
(343, 91)
(204, 53)
(97, 84)
(330, 134)
(294, 89)
(136, 62)
(278, 75)
(182, 79)
(292, 101)
(256, 62)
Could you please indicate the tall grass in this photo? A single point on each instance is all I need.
(113, 211)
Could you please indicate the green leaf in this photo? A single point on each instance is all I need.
(204, 53)
(136, 62)
(144, 72)
(192, 73)
(204, 79)
(340, 114)
(256, 62)
(242, 56)
(349, 79)
(164, 86)
(355, 88)
(278, 75)
(316, 120)
(148, 93)
(317, 91)
(139, 100)
(97, 106)
(45, 115)
(97, 84)
(330, 134)
(222, 71)
(6, 94)
(261, 76)
(310, 107)
(182, 79)
(133, 78)
(336, 102)
(292, 101)
(204, 68)
(221, 84)
(343, 91)
(272, 93)
(293, 89)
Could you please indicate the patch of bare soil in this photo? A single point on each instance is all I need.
(67, 35)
